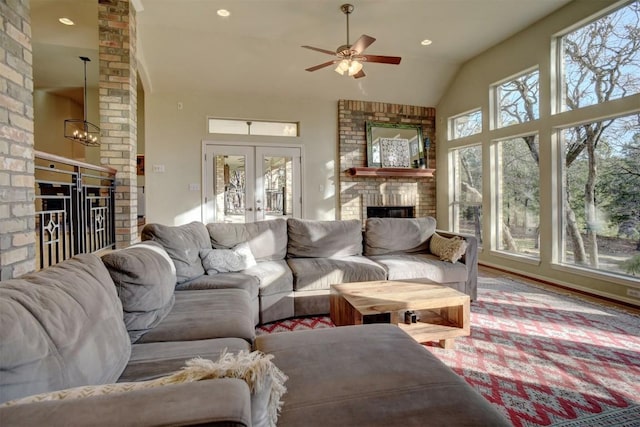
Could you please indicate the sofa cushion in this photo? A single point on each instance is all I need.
(183, 244)
(155, 359)
(239, 280)
(371, 375)
(324, 239)
(447, 249)
(274, 277)
(231, 260)
(267, 239)
(61, 327)
(393, 235)
(320, 273)
(145, 278)
(420, 266)
(200, 315)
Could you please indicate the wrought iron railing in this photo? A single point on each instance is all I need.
(75, 208)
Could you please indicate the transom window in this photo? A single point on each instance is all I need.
(252, 127)
(600, 61)
(518, 100)
(465, 124)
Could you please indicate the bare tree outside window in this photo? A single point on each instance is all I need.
(468, 191)
(518, 100)
(466, 124)
(601, 62)
(518, 192)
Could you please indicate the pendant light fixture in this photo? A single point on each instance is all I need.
(82, 131)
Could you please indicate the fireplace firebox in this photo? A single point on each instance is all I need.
(390, 212)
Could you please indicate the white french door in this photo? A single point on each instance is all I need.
(248, 183)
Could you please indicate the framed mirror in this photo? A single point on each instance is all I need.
(394, 145)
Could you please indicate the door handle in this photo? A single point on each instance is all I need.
(249, 209)
(258, 209)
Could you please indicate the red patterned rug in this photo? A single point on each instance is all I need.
(543, 358)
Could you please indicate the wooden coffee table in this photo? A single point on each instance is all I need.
(443, 313)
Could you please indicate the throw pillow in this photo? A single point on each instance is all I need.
(265, 381)
(447, 249)
(227, 260)
(145, 277)
(182, 243)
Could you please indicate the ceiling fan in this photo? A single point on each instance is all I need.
(351, 56)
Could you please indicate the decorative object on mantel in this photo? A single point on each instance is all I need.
(398, 172)
(82, 131)
(350, 57)
(395, 153)
(427, 144)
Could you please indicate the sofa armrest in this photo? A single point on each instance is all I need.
(470, 259)
(223, 402)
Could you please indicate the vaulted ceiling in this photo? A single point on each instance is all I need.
(184, 46)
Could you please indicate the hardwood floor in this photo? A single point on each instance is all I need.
(485, 271)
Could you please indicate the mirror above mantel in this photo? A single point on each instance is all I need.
(393, 145)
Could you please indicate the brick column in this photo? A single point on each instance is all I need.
(17, 210)
(118, 117)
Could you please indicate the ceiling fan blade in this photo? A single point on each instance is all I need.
(359, 74)
(328, 52)
(383, 59)
(362, 43)
(317, 67)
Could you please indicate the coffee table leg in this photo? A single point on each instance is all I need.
(447, 344)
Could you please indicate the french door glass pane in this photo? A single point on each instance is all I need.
(230, 188)
(278, 189)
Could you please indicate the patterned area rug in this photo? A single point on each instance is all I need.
(543, 358)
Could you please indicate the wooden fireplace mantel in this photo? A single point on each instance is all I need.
(406, 172)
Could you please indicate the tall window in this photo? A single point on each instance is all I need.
(467, 197)
(518, 100)
(601, 60)
(465, 124)
(602, 195)
(517, 192)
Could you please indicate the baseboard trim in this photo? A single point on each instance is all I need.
(611, 298)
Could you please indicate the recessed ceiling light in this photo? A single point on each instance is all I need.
(223, 12)
(66, 21)
(426, 42)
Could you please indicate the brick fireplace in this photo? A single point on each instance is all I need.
(358, 193)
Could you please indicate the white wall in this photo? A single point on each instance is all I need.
(174, 139)
(470, 90)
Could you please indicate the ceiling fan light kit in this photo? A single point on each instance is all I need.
(350, 57)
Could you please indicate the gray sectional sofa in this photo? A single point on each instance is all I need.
(119, 320)
(298, 260)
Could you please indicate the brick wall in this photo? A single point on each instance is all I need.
(17, 210)
(118, 117)
(356, 193)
